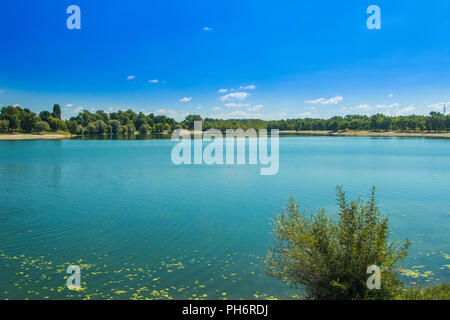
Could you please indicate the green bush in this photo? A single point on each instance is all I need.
(41, 126)
(436, 292)
(328, 257)
(144, 129)
(4, 126)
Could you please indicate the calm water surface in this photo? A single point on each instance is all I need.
(141, 227)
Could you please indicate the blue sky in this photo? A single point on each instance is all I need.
(273, 59)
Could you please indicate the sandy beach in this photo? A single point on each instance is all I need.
(33, 136)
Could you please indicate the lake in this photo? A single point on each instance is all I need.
(141, 227)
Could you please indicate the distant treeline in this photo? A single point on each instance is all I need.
(16, 119)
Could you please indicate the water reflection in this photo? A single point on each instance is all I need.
(150, 136)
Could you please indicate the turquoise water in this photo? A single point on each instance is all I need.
(141, 227)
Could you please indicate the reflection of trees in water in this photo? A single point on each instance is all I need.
(153, 136)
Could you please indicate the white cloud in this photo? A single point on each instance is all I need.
(389, 106)
(334, 100)
(77, 110)
(208, 29)
(256, 107)
(236, 105)
(364, 107)
(131, 77)
(233, 115)
(186, 99)
(69, 105)
(177, 115)
(250, 87)
(16, 105)
(235, 96)
(438, 106)
(222, 90)
(404, 111)
(199, 108)
(391, 95)
(153, 81)
(216, 108)
(393, 109)
(238, 114)
(304, 115)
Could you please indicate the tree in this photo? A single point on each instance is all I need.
(45, 115)
(188, 123)
(27, 120)
(91, 129)
(80, 130)
(72, 125)
(130, 127)
(116, 127)
(141, 120)
(159, 127)
(100, 126)
(329, 256)
(12, 115)
(144, 129)
(57, 111)
(102, 115)
(41, 126)
(54, 123)
(4, 126)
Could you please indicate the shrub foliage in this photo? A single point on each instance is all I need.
(328, 256)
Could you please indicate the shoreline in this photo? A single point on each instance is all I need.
(56, 136)
(26, 136)
(369, 133)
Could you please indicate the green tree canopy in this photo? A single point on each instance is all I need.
(328, 256)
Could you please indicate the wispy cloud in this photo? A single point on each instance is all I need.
(304, 115)
(177, 115)
(256, 107)
(222, 90)
(334, 100)
(208, 29)
(186, 99)
(77, 110)
(439, 106)
(131, 77)
(249, 87)
(367, 107)
(405, 111)
(236, 105)
(235, 96)
(153, 81)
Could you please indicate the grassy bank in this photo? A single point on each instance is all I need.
(436, 292)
